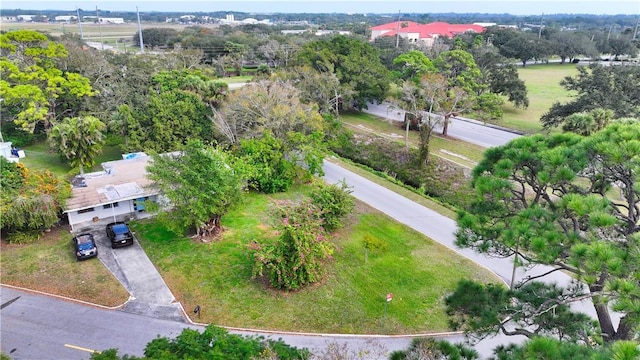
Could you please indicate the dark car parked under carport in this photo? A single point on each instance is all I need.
(119, 234)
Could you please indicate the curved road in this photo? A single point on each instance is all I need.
(38, 327)
(468, 130)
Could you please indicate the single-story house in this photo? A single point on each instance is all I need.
(120, 190)
(424, 33)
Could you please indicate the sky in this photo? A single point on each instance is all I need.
(516, 7)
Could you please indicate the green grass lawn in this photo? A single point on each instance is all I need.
(49, 264)
(40, 157)
(543, 86)
(217, 276)
(236, 79)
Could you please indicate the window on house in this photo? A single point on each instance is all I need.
(108, 206)
(85, 210)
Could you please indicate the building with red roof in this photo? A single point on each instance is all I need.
(425, 33)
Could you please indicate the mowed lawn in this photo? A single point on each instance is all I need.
(351, 299)
(49, 264)
(543, 87)
(40, 156)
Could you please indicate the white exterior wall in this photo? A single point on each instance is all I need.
(124, 207)
(376, 33)
(412, 37)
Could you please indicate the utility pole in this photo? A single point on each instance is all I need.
(140, 32)
(80, 24)
(635, 32)
(541, 23)
(398, 31)
(100, 28)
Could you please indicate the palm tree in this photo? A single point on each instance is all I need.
(79, 140)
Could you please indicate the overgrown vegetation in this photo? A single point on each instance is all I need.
(439, 178)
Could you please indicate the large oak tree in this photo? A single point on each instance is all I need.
(356, 64)
(32, 87)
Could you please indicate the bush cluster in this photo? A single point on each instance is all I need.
(439, 178)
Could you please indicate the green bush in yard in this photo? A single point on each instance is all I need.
(334, 201)
(296, 258)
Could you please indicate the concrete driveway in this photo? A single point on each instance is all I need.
(149, 295)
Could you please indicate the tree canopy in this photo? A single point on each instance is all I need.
(273, 106)
(570, 202)
(31, 86)
(212, 343)
(612, 88)
(201, 184)
(355, 62)
(30, 200)
(79, 140)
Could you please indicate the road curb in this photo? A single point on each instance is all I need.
(238, 329)
(117, 307)
(493, 126)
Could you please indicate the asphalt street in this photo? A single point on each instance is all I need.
(40, 327)
(468, 130)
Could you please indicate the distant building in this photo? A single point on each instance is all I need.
(66, 18)
(8, 18)
(424, 33)
(231, 20)
(111, 20)
(329, 32)
(26, 18)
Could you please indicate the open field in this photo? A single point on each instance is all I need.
(49, 264)
(217, 275)
(543, 86)
(118, 36)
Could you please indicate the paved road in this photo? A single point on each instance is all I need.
(468, 130)
(40, 327)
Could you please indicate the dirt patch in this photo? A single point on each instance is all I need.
(49, 265)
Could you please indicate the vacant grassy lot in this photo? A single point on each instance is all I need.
(543, 86)
(50, 265)
(217, 276)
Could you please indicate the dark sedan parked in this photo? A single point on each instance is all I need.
(119, 234)
(85, 246)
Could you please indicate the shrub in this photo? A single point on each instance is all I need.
(439, 179)
(213, 343)
(295, 259)
(271, 171)
(334, 202)
(18, 137)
